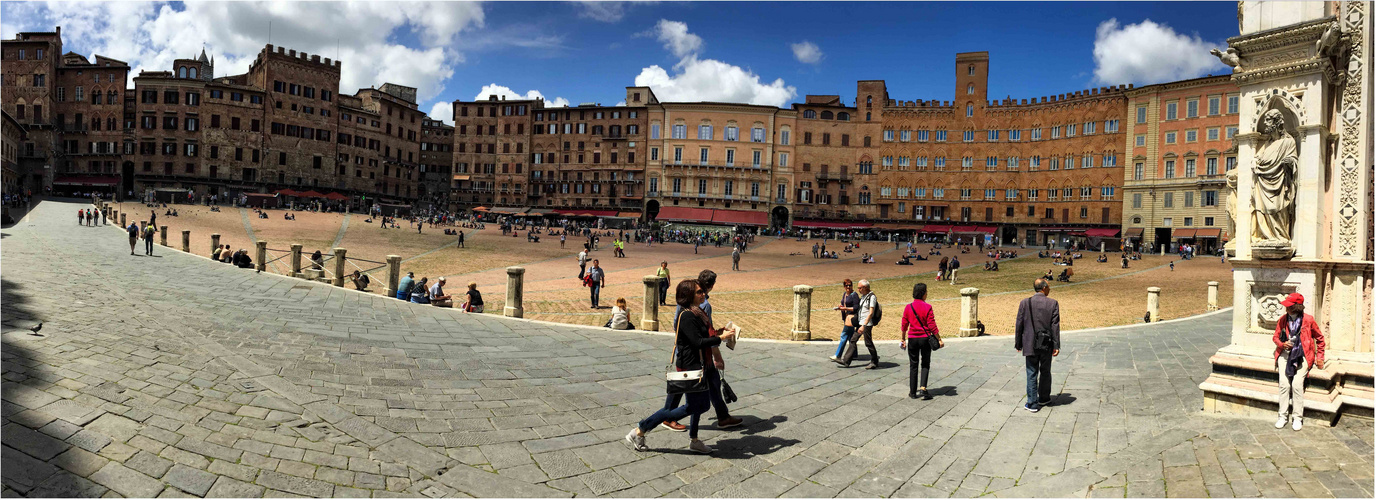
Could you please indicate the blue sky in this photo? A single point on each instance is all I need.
(728, 51)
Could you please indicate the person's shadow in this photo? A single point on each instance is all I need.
(949, 390)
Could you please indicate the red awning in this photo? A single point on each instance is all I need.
(965, 229)
(287, 192)
(987, 229)
(1134, 232)
(261, 195)
(634, 215)
(1208, 233)
(1183, 233)
(336, 197)
(936, 228)
(587, 213)
(685, 214)
(480, 209)
(1101, 233)
(740, 217)
(310, 194)
(87, 181)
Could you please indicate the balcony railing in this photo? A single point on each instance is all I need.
(833, 176)
(1211, 179)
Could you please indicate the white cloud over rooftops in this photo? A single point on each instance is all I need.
(1147, 52)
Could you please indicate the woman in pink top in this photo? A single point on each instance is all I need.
(918, 323)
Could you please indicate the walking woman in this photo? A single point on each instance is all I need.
(691, 342)
(919, 325)
(850, 301)
(941, 268)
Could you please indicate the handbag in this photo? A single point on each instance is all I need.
(1041, 339)
(683, 382)
(727, 395)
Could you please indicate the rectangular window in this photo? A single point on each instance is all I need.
(1211, 166)
(1189, 168)
(783, 137)
(1212, 134)
(702, 156)
(755, 160)
(1170, 137)
(1232, 104)
(1209, 199)
(1137, 171)
(1169, 200)
(1192, 108)
(1170, 169)
(1232, 131)
(1171, 110)
(654, 131)
(1142, 114)
(1137, 200)
(1189, 199)
(1191, 136)
(969, 136)
(705, 132)
(1213, 106)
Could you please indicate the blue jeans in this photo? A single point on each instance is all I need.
(1038, 378)
(846, 332)
(697, 404)
(596, 293)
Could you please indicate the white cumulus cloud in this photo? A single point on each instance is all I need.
(607, 12)
(676, 38)
(699, 79)
(1147, 53)
(503, 91)
(442, 111)
(363, 35)
(806, 52)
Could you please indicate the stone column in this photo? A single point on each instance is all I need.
(969, 312)
(1213, 296)
(261, 256)
(214, 243)
(802, 312)
(649, 312)
(393, 274)
(296, 260)
(186, 240)
(1154, 303)
(1102, 246)
(1163, 249)
(515, 279)
(163, 233)
(339, 257)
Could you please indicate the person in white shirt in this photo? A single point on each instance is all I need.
(583, 262)
(437, 296)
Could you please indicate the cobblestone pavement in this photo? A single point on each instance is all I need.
(175, 376)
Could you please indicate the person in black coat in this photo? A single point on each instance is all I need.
(1038, 313)
(691, 342)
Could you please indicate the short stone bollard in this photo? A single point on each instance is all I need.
(163, 234)
(969, 312)
(339, 254)
(1154, 303)
(515, 279)
(1213, 296)
(214, 243)
(1102, 246)
(296, 260)
(186, 240)
(261, 256)
(649, 312)
(802, 312)
(393, 274)
(1163, 249)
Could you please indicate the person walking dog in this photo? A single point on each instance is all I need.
(1037, 335)
(687, 375)
(919, 329)
(1296, 329)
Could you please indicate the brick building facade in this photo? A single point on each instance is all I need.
(436, 163)
(1180, 148)
(72, 110)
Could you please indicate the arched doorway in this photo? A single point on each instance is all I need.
(778, 217)
(651, 210)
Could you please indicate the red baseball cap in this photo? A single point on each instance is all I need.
(1293, 299)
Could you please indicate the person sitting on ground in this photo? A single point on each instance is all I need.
(1049, 275)
(986, 265)
(1102, 258)
(317, 261)
(420, 292)
(620, 318)
(360, 281)
(474, 304)
(227, 256)
(242, 259)
(907, 261)
(437, 296)
(994, 266)
(404, 287)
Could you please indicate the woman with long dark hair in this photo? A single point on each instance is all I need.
(919, 324)
(941, 268)
(689, 355)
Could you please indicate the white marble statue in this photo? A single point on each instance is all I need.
(1273, 187)
(1230, 208)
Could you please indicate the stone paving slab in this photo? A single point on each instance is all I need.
(177, 376)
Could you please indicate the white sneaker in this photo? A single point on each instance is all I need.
(833, 358)
(698, 446)
(1280, 422)
(1298, 424)
(637, 441)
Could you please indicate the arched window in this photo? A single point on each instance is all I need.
(181, 72)
(810, 114)
(869, 99)
(867, 117)
(970, 89)
(845, 117)
(192, 73)
(826, 115)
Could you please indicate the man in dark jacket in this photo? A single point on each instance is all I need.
(1038, 313)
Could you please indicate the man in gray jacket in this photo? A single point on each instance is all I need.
(1038, 313)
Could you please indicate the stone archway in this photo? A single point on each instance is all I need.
(651, 210)
(778, 217)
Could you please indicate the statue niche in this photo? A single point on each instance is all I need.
(1273, 186)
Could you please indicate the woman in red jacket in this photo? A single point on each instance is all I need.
(1294, 364)
(918, 324)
